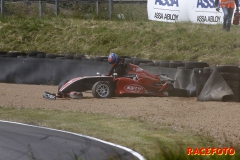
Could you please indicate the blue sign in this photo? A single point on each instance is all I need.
(205, 4)
(167, 2)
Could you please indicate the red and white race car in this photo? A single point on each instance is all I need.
(138, 82)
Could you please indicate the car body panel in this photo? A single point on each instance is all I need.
(137, 82)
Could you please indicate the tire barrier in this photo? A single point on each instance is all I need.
(191, 78)
(15, 54)
(231, 75)
(47, 71)
(191, 65)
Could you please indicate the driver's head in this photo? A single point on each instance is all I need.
(113, 59)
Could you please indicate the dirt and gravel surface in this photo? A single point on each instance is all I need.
(218, 119)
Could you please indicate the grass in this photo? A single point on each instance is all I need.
(151, 140)
(145, 39)
(155, 142)
(141, 38)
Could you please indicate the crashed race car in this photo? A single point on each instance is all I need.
(137, 82)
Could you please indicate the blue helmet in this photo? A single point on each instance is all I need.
(113, 59)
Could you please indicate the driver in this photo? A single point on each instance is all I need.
(117, 65)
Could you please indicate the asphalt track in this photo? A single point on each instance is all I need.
(26, 142)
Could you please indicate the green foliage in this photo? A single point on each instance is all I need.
(154, 141)
(78, 29)
(143, 39)
(176, 152)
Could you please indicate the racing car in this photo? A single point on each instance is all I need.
(137, 82)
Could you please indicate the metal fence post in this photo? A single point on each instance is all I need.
(97, 7)
(57, 7)
(2, 8)
(40, 9)
(110, 8)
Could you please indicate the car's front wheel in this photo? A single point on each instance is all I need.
(102, 90)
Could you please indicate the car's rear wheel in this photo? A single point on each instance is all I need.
(102, 90)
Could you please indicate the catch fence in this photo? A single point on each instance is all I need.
(106, 9)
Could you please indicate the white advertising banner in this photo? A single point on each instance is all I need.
(203, 11)
(196, 11)
(168, 10)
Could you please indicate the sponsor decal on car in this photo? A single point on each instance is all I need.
(134, 88)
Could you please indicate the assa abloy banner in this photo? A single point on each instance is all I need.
(196, 11)
(167, 10)
(203, 11)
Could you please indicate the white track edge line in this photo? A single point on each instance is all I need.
(136, 154)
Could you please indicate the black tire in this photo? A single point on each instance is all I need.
(85, 59)
(3, 53)
(157, 63)
(138, 61)
(52, 56)
(34, 53)
(21, 56)
(207, 70)
(228, 68)
(230, 98)
(191, 65)
(123, 57)
(177, 92)
(230, 76)
(100, 58)
(15, 54)
(181, 67)
(143, 64)
(31, 56)
(198, 70)
(60, 58)
(41, 55)
(177, 61)
(102, 90)
(235, 91)
(151, 64)
(170, 88)
(176, 64)
(164, 64)
(79, 56)
(232, 84)
(129, 60)
(69, 56)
